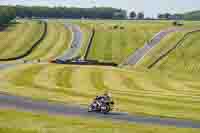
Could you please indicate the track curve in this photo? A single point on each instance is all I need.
(70, 53)
(77, 38)
(180, 42)
(134, 58)
(27, 104)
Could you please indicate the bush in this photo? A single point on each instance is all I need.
(115, 27)
(176, 23)
(122, 28)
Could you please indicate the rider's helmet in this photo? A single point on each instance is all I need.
(107, 94)
(108, 97)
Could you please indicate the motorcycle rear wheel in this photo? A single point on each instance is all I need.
(105, 109)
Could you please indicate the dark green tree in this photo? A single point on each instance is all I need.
(64, 12)
(132, 15)
(140, 15)
(7, 14)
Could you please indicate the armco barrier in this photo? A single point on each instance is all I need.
(174, 47)
(89, 44)
(32, 48)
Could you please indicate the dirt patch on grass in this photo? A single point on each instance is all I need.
(3, 27)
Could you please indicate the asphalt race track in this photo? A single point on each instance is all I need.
(27, 104)
(75, 46)
(134, 58)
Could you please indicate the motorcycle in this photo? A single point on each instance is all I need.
(101, 106)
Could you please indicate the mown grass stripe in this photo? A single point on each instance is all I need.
(133, 92)
(13, 41)
(25, 75)
(54, 44)
(25, 40)
(108, 52)
(11, 34)
(63, 43)
(82, 84)
(64, 75)
(116, 47)
(48, 45)
(98, 80)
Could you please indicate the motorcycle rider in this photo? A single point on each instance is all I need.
(106, 97)
(102, 103)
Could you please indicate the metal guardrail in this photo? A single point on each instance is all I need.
(89, 44)
(136, 56)
(173, 47)
(32, 48)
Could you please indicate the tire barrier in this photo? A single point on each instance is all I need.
(85, 62)
(174, 47)
(33, 46)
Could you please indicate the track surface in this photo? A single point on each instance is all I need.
(17, 62)
(3, 66)
(77, 38)
(140, 53)
(26, 104)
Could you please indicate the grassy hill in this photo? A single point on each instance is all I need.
(55, 43)
(115, 40)
(18, 38)
(138, 91)
(171, 89)
(165, 44)
(153, 93)
(185, 58)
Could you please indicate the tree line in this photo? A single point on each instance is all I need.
(7, 14)
(134, 15)
(168, 16)
(74, 13)
(194, 15)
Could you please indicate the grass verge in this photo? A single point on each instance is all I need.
(12, 121)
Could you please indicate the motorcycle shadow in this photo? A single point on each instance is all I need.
(117, 113)
(111, 113)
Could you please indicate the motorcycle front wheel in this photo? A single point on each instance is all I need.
(90, 109)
